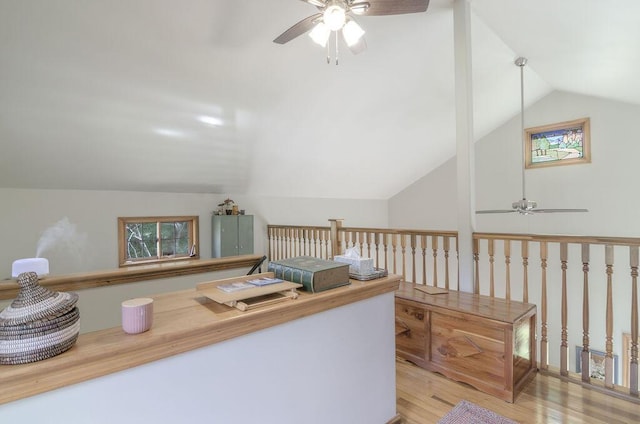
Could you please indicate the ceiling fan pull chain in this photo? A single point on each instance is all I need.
(335, 35)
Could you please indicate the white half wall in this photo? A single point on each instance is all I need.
(337, 366)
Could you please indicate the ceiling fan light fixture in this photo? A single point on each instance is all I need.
(352, 32)
(320, 34)
(524, 205)
(334, 17)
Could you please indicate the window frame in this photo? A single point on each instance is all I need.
(192, 220)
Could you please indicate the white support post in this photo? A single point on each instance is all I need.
(464, 142)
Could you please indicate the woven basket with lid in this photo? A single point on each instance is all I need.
(38, 324)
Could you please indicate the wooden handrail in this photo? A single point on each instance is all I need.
(600, 240)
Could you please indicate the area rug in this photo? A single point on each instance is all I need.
(466, 412)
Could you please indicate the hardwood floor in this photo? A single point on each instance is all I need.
(424, 397)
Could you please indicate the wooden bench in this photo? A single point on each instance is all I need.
(486, 342)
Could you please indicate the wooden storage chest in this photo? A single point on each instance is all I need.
(482, 341)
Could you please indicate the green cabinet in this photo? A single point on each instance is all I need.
(231, 235)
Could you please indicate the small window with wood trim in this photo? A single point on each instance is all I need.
(144, 240)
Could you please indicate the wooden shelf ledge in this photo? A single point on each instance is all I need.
(9, 289)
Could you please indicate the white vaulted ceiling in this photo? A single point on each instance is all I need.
(108, 94)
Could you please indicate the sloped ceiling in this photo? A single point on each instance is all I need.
(107, 95)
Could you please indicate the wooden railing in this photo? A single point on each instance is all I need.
(565, 276)
(423, 257)
(287, 241)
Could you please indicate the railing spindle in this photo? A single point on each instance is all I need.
(585, 313)
(544, 343)
(525, 272)
(377, 242)
(492, 285)
(446, 262)
(563, 342)
(507, 263)
(608, 357)
(321, 243)
(394, 241)
(633, 362)
(385, 245)
(403, 246)
(412, 240)
(423, 246)
(434, 246)
(476, 260)
(307, 241)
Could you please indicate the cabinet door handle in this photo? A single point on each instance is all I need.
(402, 328)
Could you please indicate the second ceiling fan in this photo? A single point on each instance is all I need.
(525, 206)
(336, 16)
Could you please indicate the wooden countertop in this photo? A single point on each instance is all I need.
(485, 306)
(183, 321)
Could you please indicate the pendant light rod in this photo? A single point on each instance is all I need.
(521, 61)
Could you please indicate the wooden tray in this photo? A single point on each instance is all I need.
(249, 298)
(377, 273)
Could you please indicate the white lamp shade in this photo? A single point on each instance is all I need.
(352, 33)
(320, 34)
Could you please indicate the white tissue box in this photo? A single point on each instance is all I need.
(362, 266)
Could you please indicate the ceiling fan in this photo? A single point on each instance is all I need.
(525, 206)
(336, 16)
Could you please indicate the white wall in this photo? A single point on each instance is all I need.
(26, 214)
(429, 203)
(606, 187)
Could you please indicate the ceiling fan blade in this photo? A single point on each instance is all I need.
(360, 8)
(496, 211)
(298, 29)
(557, 210)
(390, 7)
(318, 3)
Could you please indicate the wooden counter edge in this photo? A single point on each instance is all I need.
(83, 363)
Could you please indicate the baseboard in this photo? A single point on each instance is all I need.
(395, 420)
